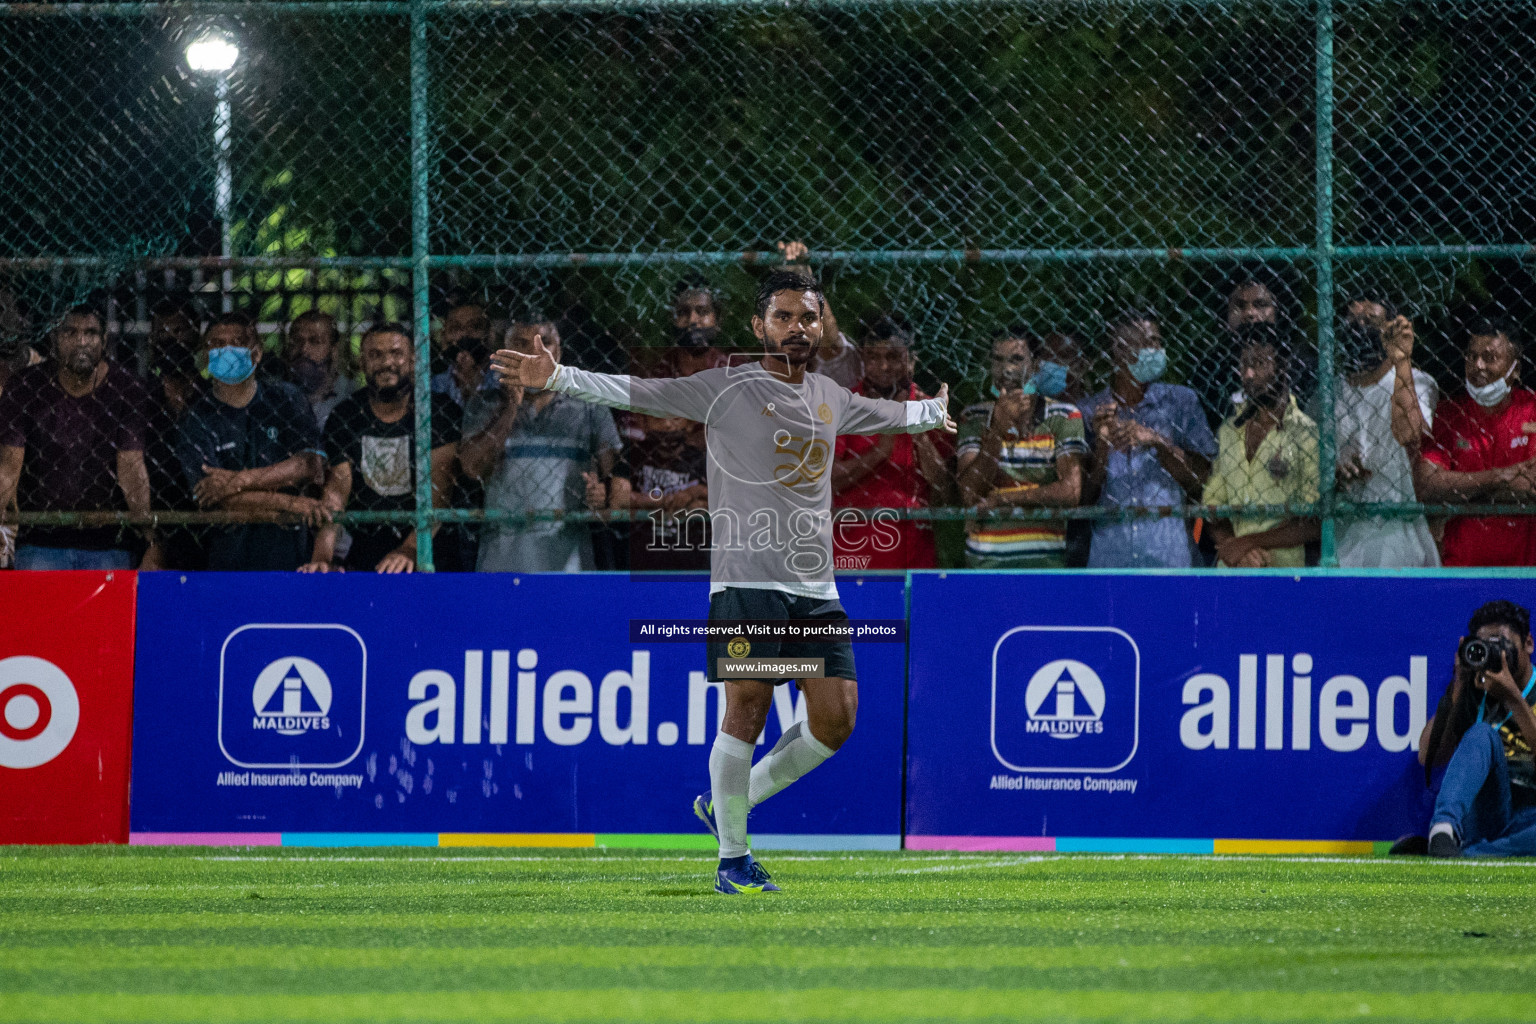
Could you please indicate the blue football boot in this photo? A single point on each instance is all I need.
(704, 810)
(743, 876)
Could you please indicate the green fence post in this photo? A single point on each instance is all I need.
(1327, 449)
(420, 237)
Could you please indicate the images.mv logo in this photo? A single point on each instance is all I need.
(1065, 699)
(292, 695)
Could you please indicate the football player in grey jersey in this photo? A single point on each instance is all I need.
(772, 429)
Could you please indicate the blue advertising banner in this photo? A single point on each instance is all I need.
(416, 707)
(1192, 709)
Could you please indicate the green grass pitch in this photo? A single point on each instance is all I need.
(136, 934)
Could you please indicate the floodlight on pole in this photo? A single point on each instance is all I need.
(212, 53)
(215, 55)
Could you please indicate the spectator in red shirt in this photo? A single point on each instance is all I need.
(888, 471)
(1481, 452)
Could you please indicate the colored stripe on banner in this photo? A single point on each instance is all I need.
(656, 841)
(979, 844)
(1077, 844)
(577, 840)
(1313, 846)
(1110, 844)
(359, 838)
(806, 842)
(205, 839)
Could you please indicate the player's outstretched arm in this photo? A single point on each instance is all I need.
(689, 397)
(882, 416)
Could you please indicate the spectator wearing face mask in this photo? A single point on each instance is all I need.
(251, 446)
(891, 471)
(1152, 449)
(1062, 363)
(695, 330)
(1267, 456)
(1480, 453)
(315, 361)
(465, 343)
(463, 351)
(1384, 408)
(1022, 450)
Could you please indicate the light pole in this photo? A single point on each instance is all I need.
(215, 55)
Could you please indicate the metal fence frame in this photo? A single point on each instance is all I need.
(1322, 253)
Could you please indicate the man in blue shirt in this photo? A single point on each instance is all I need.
(1152, 449)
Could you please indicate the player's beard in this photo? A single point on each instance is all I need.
(796, 353)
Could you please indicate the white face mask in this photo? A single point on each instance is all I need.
(1490, 395)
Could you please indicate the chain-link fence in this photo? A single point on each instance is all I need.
(1209, 281)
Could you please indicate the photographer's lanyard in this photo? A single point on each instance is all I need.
(1525, 695)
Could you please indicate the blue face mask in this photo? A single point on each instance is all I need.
(1051, 379)
(230, 364)
(1150, 364)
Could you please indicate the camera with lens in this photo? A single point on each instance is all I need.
(1489, 655)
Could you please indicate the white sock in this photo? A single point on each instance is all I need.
(730, 773)
(796, 753)
(1441, 826)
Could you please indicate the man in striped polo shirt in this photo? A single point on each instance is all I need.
(1022, 450)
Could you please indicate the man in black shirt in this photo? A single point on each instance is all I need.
(371, 444)
(72, 435)
(251, 446)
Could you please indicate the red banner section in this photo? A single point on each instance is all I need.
(66, 706)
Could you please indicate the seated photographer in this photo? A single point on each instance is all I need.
(1484, 728)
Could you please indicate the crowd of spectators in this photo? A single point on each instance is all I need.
(280, 439)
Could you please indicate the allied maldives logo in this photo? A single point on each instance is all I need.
(39, 711)
(292, 695)
(1065, 699)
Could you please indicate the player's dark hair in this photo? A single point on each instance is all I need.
(786, 280)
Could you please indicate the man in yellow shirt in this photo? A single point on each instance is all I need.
(1267, 456)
